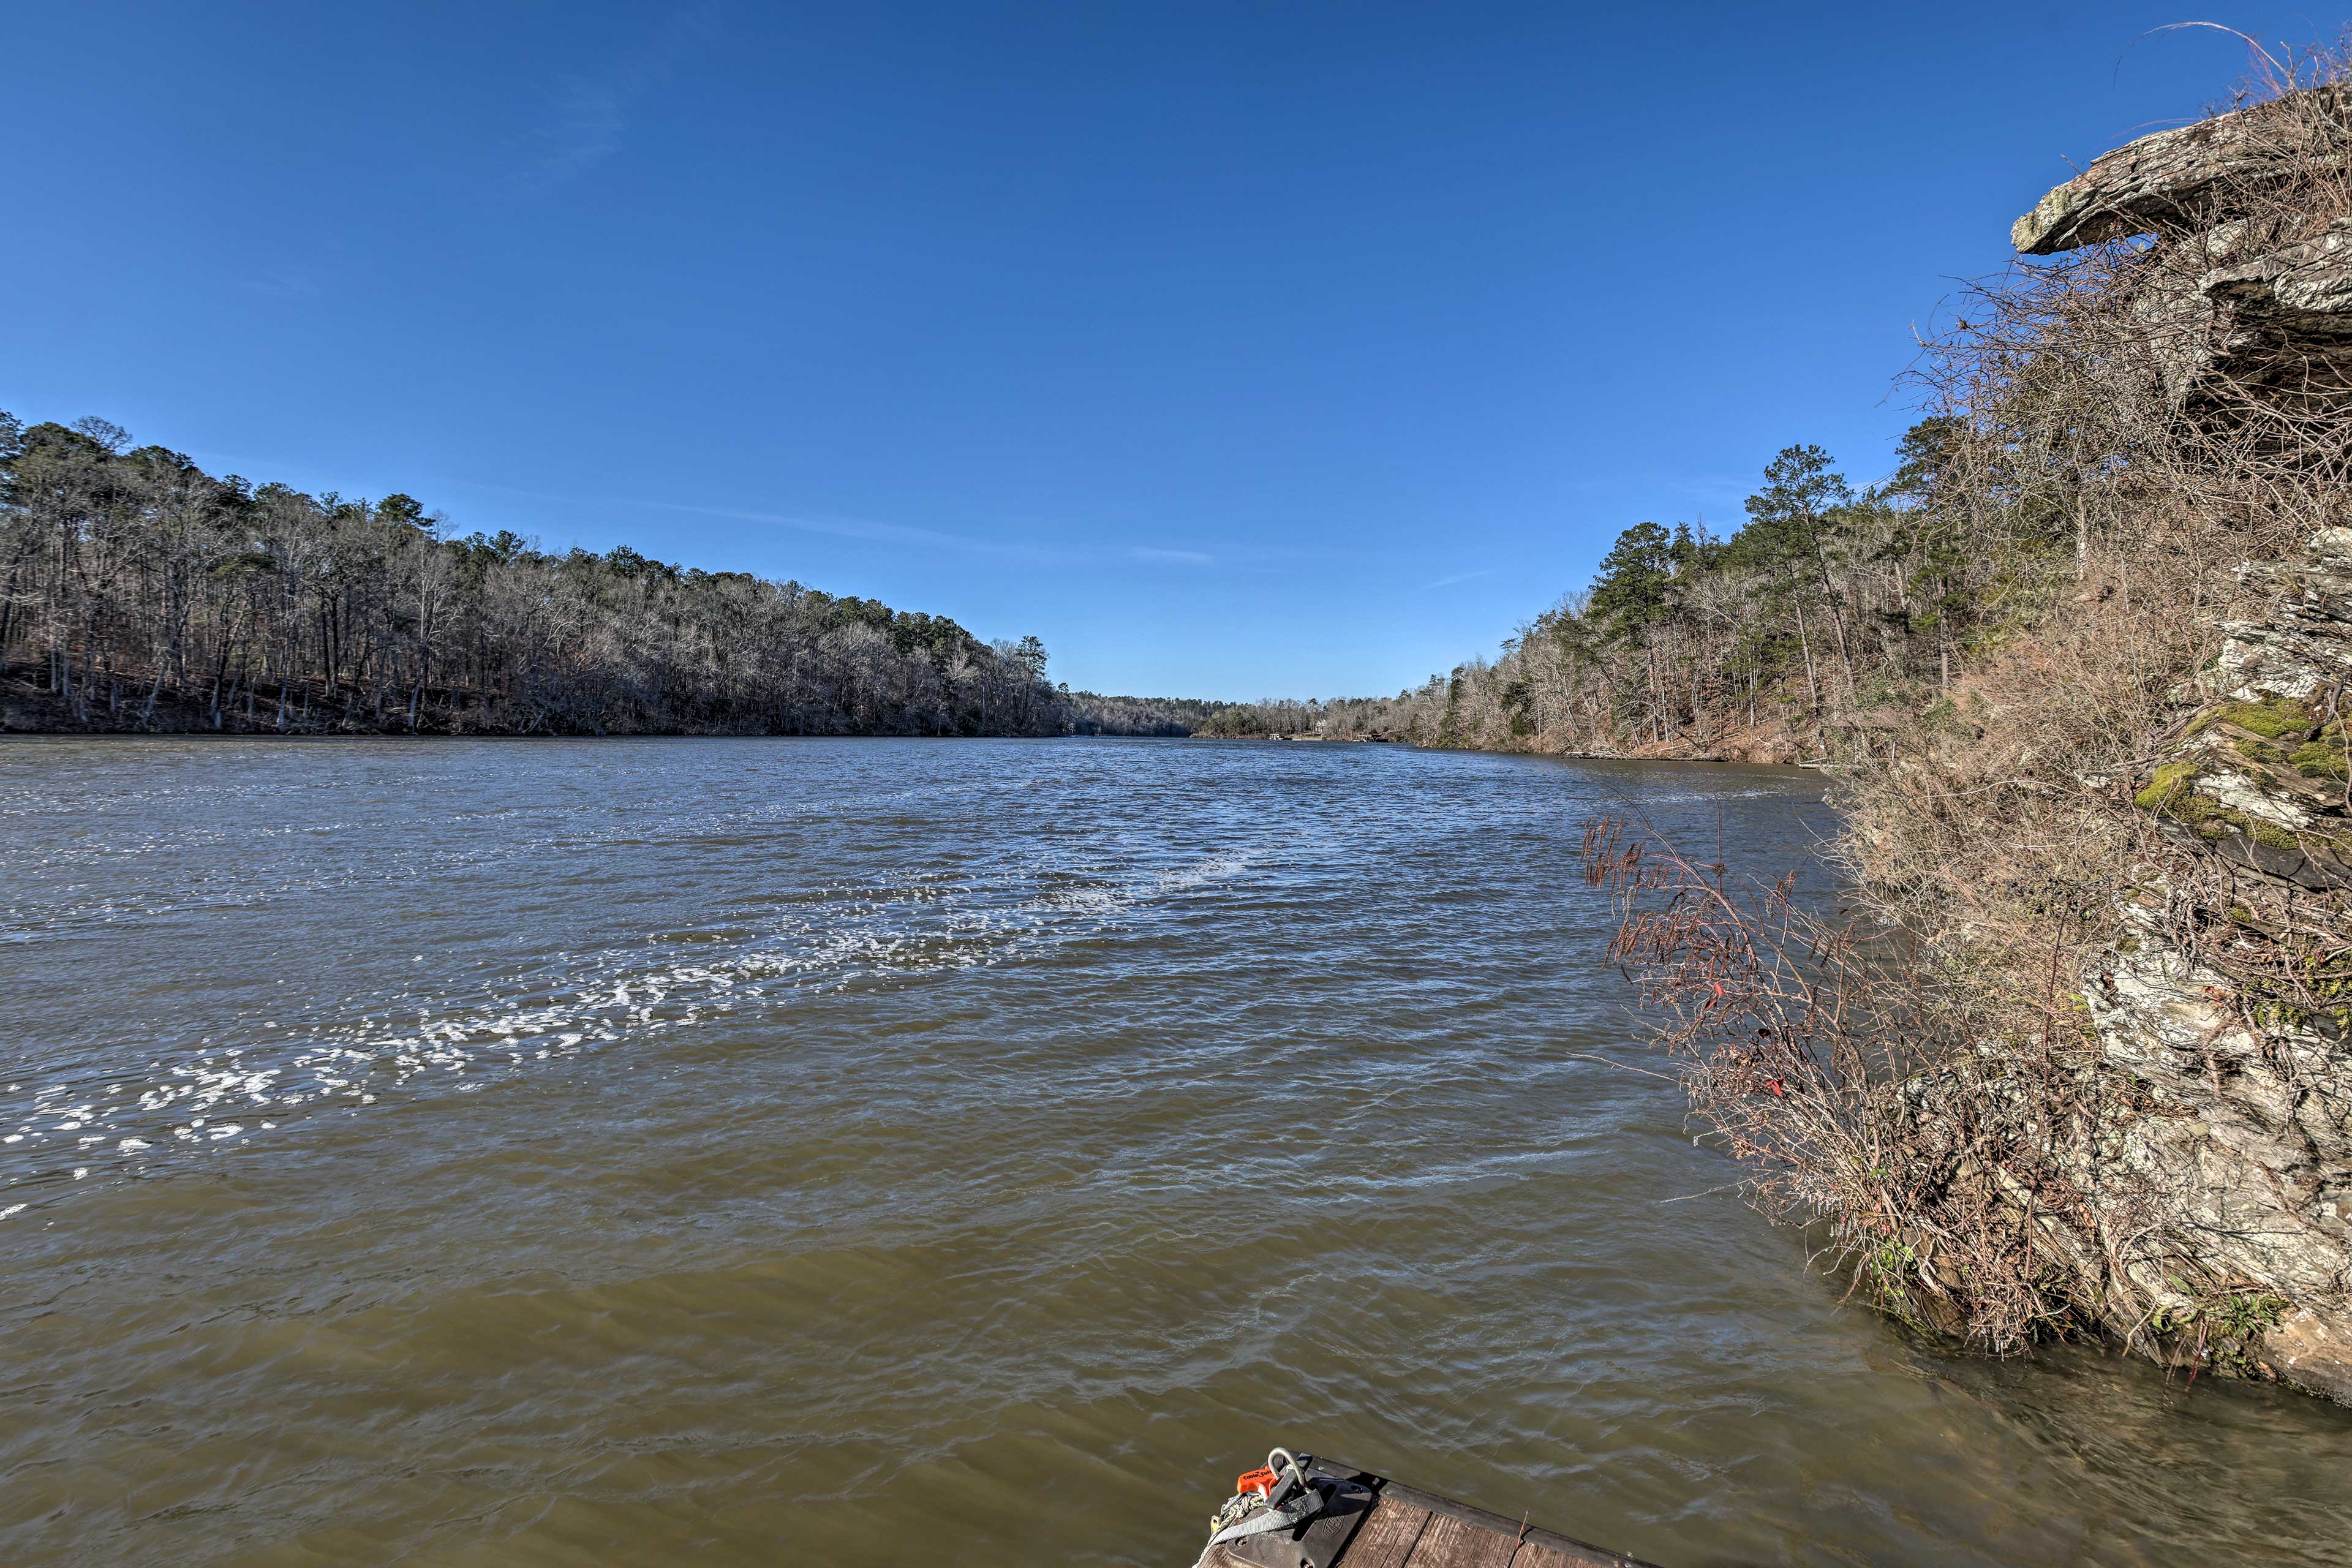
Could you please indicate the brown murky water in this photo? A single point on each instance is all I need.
(974, 1153)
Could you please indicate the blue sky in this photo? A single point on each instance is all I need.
(1232, 350)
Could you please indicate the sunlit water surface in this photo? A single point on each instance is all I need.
(894, 1151)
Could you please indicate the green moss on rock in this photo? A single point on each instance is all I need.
(2170, 783)
(2320, 758)
(2171, 792)
(2261, 751)
(2271, 834)
(2272, 720)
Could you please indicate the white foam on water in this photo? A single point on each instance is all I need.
(923, 925)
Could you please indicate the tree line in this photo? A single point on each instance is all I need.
(137, 592)
(1800, 635)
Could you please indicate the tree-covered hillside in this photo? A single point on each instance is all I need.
(139, 593)
(1794, 637)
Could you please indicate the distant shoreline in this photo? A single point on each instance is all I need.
(311, 737)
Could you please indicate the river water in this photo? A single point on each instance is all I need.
(891, 1152)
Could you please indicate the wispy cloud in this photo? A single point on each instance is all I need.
(865, 527)
(286, 283)
(587, 114)
(1189, 557)
(814, 522)
(1459, 577)
(583, 129)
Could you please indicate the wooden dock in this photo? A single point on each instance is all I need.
(1403, 1527)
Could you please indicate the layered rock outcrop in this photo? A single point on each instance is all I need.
(2220, 1006)
(2247, 290)
(2195, 177)
(2232, 1211)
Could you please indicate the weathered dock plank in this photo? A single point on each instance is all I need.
(1535, 1555)
(1561, 1551)
(1458, 1543)
(1388, 1537)
(1408, 1528)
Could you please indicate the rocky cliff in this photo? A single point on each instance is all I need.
(2221, 1215)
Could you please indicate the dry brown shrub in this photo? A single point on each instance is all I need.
(2125, 448)
(1817, 1059)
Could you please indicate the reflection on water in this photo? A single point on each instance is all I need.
(885, 1151)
